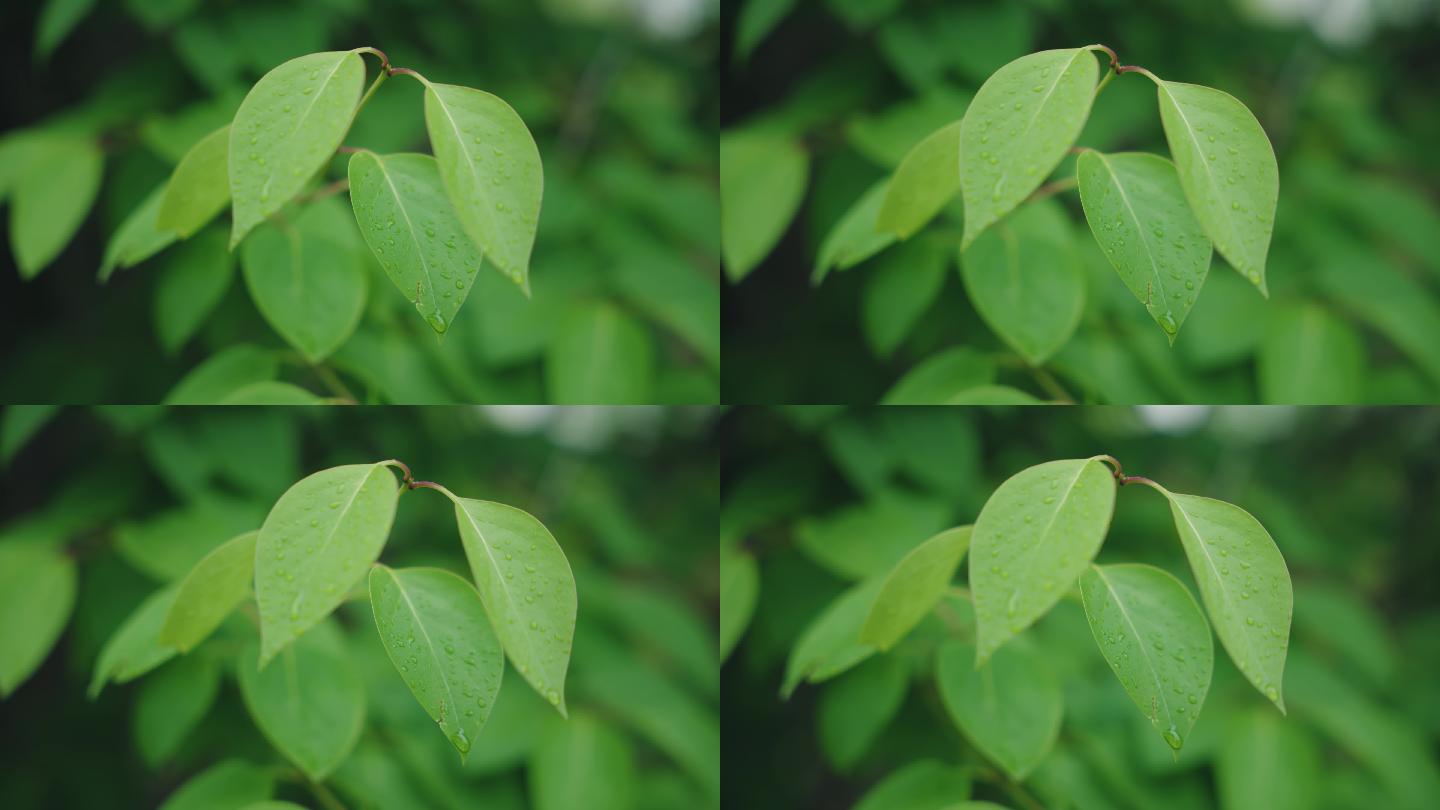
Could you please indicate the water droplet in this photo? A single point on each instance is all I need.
(1167, 323)
(1271, 693)
(1172, 737)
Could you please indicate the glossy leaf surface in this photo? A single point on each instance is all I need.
(1009, 708)
(913, 587)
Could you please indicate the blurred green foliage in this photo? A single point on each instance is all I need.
(1347, 494)
(839, 91)
(618, 97)
(630, 493)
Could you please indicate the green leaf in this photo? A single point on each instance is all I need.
(1137, 211)
(1227, 168)
(1244, 584)
(57, 20)
(528, 590)
(831, 642)
(762, 181)
(1153, 635)
(271, 393)
(309, 285)
(992, 395)
(582, 763)
(316, 544)
(1025, 281)
(286, 129)
(37, 594)
(1017, 130)
(171, 703)
(599, 355)
(51, 193)
(739, 590)
(1009, 708)
(19, 424)
(922, 785)
(913, 587)
(1310, 357)
(217, 584)
(757, 19)
(888, 135)
(310, 705)
(138, 237)
(412, 229)
(490, 166)
(230, 785)
(1034, 537)
(860, 540)
(200, 186)
(135, 649)
(942, 376)
(927, 179)
(434, 629)
(1378, 293)
(902, 285)
(855, 237)
(1267, 761)
(857, 706)
(195, 277)
(166, 545)
(223, 373)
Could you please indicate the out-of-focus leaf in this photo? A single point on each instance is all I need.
(194, 278)
(856, 707)
(1336, 618)
(19, 424)
(860, 541)
(171, 703)
(37, 594)
(583, 762)
(899, 289)
(831, 643)
(1267, 761)
(757, 19)
(222, 374)
(762, 180)
(50, 195)
(230, 785)
(166, 545)
(135, 648)
(310, 705)
(922, 785)
(271, 393)
(217, 584)
(599, 355)
(993, 395)
(913, 587)
(927, 179)
(57, 20)
(1226, 324)
(1310, 357)
(1406, 313)
(855, 237)
(139, 237)
(888, 136)
(200, 187)
(1009, 708)
(939, 378)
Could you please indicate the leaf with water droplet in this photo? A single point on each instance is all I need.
(310, 705)
(927, 179)
(1009, 708)
(1157, 247)
(1036, 107)
(583, 763)
(282, 136)
(913, 587)
(1259, 590)
(1042, 526)
(855, 237)
(831, 642)
(523, 577)
(479, 139)
(1310, 356)
(762, 181)
(135, 649)
(436, 621)
(217, 584)
(37, 594)
(1132, 607)
(1025, 280)
(199, 188)
(316, 544)
(1238, 216)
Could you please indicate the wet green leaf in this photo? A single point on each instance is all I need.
(222, 374)
(922, 785)
(1017, 130)
(1267, 761)
(230, 785)
(135, 647)
(762, 181)
(1138, 213)
(856, 707)
(217, 584)
(913, 587)
(286, 129)
(599, 355)
(171, 703)
(316, 544)
(855, 237)
(200, 186)
(1034, 537)
(490, 166)
(582, 763)
(37, 594)
(1244, 584)
(739, 589)
(528, 590)
(927, 179)
(1227, 168)
(942, 376)
(1156, 640)
(1009, 708)
(310, 705)
(435, 631)
(51, 192)
(195, 277)
(138, 237)
(1310, 357)
(831, 642)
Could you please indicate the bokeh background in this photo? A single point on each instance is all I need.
(1344, 90)
(631, 494)
(619, 95)
(1349, 496)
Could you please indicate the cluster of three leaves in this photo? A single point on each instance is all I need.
(318, 543)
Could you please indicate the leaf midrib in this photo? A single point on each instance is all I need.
(330, 535)
(470, 170)
(414, 237)
(1135, 634)
(1225, 592)
(1139, 227)
(430, 645)
(1045, 99)
(499, 576)
(1200, 156)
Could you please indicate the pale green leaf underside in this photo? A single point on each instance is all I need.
(1034, 537)
(434, 629)
(527, 587)
(1227, 168)
(37, 593)
(138, 237)
(1244, 584)
(1009, 708)
(1309, 356)
(135, 647)
(210, 592)
(739, 590)
(1138, 213)
(200, 186)
(491, 168)
(762, 181)
(288, 126)
(412, 229)
(855, 237)
(310, 705)
(913, 587)
(1156, 640)
(316, 544)
(1017, 130)
(927, 179)
(582, 763)
(54, 185)
(831, 643)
